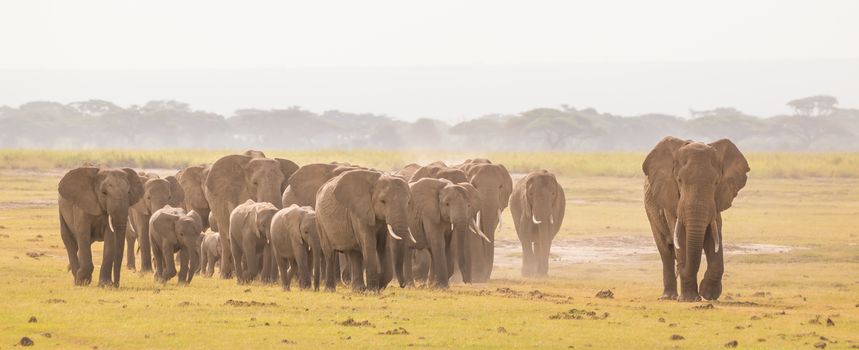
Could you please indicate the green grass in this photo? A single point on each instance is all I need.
(820, 276)
(764, 165)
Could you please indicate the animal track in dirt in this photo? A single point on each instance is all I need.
(36, 255)
(241, 303)
(576, 314)
(395, 331)
(732, 344)
(350, 322)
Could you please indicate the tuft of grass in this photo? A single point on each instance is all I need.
(614, 164)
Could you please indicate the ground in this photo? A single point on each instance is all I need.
(799, 289)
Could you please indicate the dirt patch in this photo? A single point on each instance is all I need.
(55, 301)
(36, 203)
(605, 294)
(395, 331)
(576, 314)
(241, 303)
(350, 322)
(704, 307)
(619, 249)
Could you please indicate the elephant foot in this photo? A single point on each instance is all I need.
(711, 289)
(107, 284)
(131, 268)
(668, 296)
(689, 297)
(83, 282)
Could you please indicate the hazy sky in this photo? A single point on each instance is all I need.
(477, 42)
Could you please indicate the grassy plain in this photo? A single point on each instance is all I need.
(779, 300)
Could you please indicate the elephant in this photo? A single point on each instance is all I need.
(296, 247)
(687, 186)
(355, 213)
(210, 253)
(494, 184)
(193, 180)
(93, 206)
(407, 171)
(441, 212)
(438, 170)
(537, 205)
(173, 230)
(157, 193)
(250, 226)
(231, 181)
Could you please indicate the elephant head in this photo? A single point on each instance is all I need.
(543, 194)
(100, 192)
(237, 177)
(304, 183)
(494, 184)
(160, 192)
(192, 179)
(441, 201)
(372, 196)
(695, 182)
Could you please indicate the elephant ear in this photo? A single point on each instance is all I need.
(421, 173)
(177, 194)
(135, 186)
(506, 185)
(734, 167)
(308, 179)
(192, 181)
(288, 168)
(264, 213)
(78, 187)
(198, 221)
(163, 220)
(226, 180)
(473, 196)
(292, 221)
(354, 190)
(425, 198)
(658, 166)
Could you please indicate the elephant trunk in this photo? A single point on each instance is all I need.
(695, 217)
(489, 216)
(118, 220)
(195, 261)
(271, 195)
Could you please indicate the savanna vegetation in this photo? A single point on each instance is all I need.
(792, 270)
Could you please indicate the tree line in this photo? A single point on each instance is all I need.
(818, 124)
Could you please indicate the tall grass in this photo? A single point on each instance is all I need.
(623, 164)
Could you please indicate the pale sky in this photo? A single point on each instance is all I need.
(107, 37)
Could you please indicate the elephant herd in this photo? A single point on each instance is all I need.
(272, 220)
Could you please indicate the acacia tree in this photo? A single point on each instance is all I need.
(814, 106)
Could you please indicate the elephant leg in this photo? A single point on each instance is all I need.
(303, 268)
(129, 245)
(448, 253)
(332, 270)
(711, 284)
(145, 246)
(464, 257)
(285, 276)
(344, 269)
(268, 265)
(386, 261)
(357, 270)
(159, 262)
(169, 262)
(528, 266)
(438, 262)
(399, 253)
(228, 262)
(489, 259)
(119, 240)
(108, 255)
(662, 235)
(542, 247)
(253, 258)
(236, 253)
(204, 261)
(688, 269)
(184, 267)
(71, 247)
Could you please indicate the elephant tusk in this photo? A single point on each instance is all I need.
(552, 219)
(131, 227)
(391, 232)
(716, 235)
(110, 223)
(499, 219)
(411, 236)
(533, 219)
(479, 232)
(676, 235)
(477, 219)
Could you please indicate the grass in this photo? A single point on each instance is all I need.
(775, 298)
(764, 165)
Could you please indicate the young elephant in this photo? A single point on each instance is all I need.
(537, 205)
(157, 193)
(295, 243)
(250, 226)
(173, 230)
(210, 253)
(441, 212)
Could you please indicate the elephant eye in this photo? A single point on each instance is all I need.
(104, 192)
(383, 201)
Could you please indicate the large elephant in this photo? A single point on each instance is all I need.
(687, 186)
(537, 205)
(441, 213)
(494, 184)
(438, 170)
(296, 247)
(355, 213)
(250, 229)
(234, 179)
(93, 205)
(193, 182)
(157, 193)
(173, 230)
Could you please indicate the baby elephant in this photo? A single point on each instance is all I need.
(537, 205)
(173, 230)
(296, 247)
(250, 224)
(210, 251)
